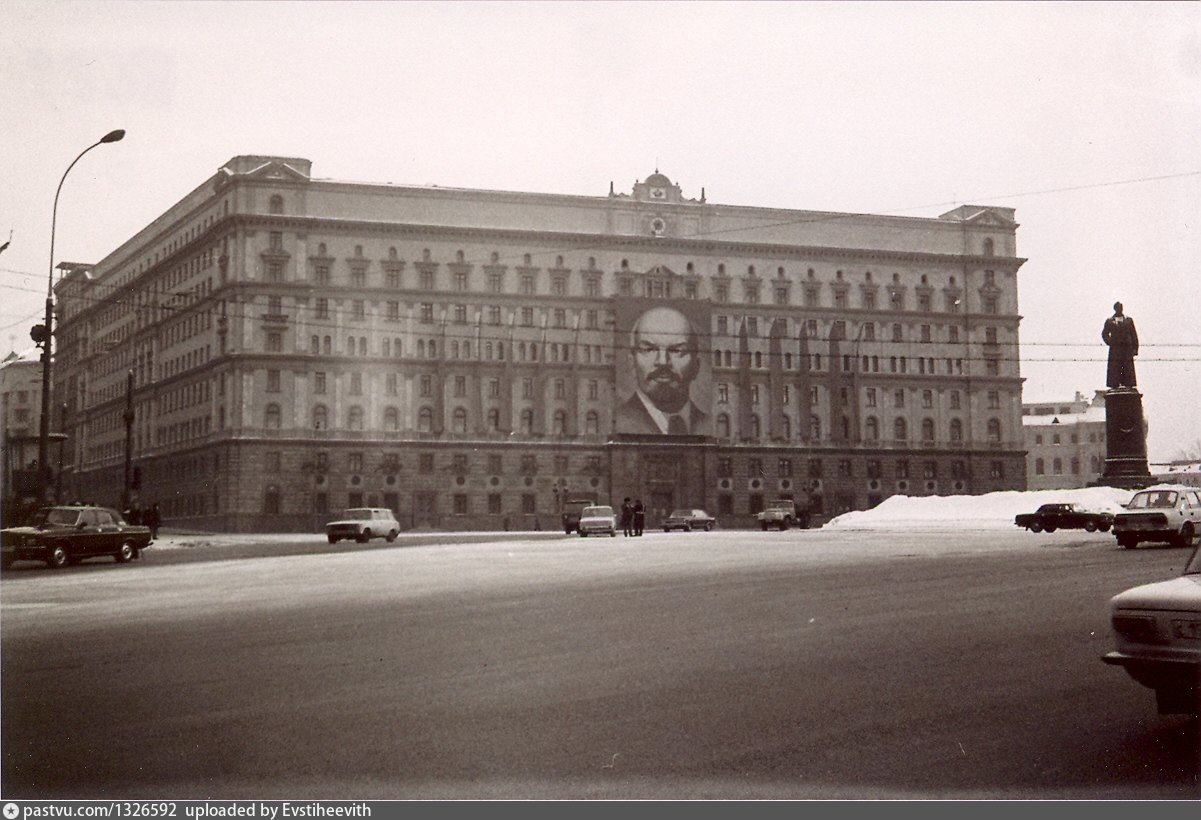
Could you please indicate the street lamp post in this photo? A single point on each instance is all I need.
(44, 334)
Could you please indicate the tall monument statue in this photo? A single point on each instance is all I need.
(1122, 338)
(1125, 429)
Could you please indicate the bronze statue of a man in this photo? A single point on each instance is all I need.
(1122, 338)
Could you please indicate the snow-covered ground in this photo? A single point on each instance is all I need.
(973, 512)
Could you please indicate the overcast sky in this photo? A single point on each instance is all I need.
(1084, 117)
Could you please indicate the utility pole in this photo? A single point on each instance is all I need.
(128, 416)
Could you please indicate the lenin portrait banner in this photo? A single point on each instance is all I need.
(664, 380)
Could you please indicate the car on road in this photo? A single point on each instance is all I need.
(1051, 517)
(781, 513)
(1164, 513)
(1157, 629)
(362, 524)
(687, 520)
(598, 519)
(68, 534)
(572, 507)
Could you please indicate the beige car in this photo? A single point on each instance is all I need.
(1166, 513)
(1157, 631)
(362, 524)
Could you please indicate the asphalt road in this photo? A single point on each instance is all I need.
(706, 665)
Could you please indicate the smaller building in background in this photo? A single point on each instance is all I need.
(20, 410)
(1181, 471)
(1065, 442)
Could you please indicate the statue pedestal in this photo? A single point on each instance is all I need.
(1125, 440)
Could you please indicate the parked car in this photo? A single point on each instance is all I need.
(781, 513)
(1157, 629)
(597, 519)
(1164, 513)
(686, 520)
(362, 524)
(572, 508)
(1051, 517)
(66, 535)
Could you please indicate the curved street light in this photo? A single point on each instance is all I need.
(44, 334)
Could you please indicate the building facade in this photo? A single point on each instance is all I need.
(20, 410)
(472, 358)
(1065, 442)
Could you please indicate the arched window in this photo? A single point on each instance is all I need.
(315, 344)
(271, 500)
(421, 348)
(276, 204)
(1040, 467)
(927, 430)
(354, 418)
(758, 358)
(559, 423)
(391, 419)
(527, 422)
(1094, 464)
(723, 426)
(459, 420)
(871, 429)
(320, 417)
(327, 345)
(362, 345)
(521, 351)
(454, 350)
(900, 430)
(433, 348)
(786, 427)
(494, 420)
(815, 428)
(533, 352)
(387, 347)
(994, 430)
(271, 416)
(425, 420)
(350, 345)
(754, 425)
(1057, 466)
(500, 351)
(956, 430)
(988, 247)
(592, 423)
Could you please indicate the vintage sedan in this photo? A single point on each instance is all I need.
(1157, 628)
(687, 520)
(1166, 513)
(362, 524)
(67, 535)
(598, 520)
(1051, 517)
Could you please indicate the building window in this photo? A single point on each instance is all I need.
(994, 430)
(354, 418)
(271, 416)
(900, 429)
(272, 381)
(275, 342)
(320, 417)
(425, 463)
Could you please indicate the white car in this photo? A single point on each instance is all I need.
(599, 519)
(362, 524)
(1164, 513)
(1158, 632)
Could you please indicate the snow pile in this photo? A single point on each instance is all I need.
(975, 512)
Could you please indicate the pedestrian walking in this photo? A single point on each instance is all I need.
(627, 517)
(154, 518)
(639, 516)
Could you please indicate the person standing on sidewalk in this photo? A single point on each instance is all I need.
(627, 517)
(639, 516)
(153, 519)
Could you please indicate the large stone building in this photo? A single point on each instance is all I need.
(472, 358)
(1065, 442)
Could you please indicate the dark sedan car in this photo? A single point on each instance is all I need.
(687, 520)
(66, 535)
